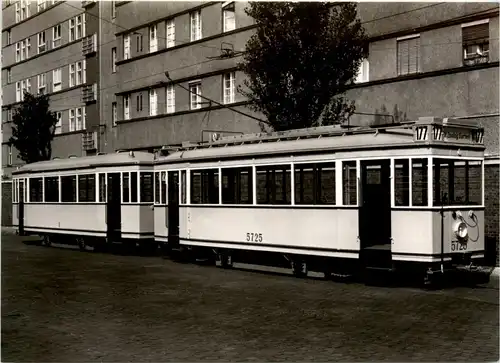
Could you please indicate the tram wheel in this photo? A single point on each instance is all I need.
(299, 268)
(46, 240)
(81, 243)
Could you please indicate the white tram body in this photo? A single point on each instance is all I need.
(87, 200)
(407, 195)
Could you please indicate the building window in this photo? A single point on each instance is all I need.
(72, 125)
(9, 158)
(170, 99)
(114, 113)
(126, 107)
(409, 55)
(9, 75)
(475, 42)
(56, 36)
(228, 16)
(113, 60)
(9, 114)
(139, 43)
(138, 103)
(77, 27)
(22, 49)
(41, 42)
(18, 12)
(363, 72)
(18, 51)
(195, 25)
(126, 47)
(41, 5)
(170, 33)
(195, 91)
(41, 83)
(80, 72)
(229, 87)
(56, 79)
(9, 37)
(153, 38)
(80, 118)
(58, 127)
(153, 102)
(72, 75)
(25, 9)
(113, 9)
(21, 87)
(18, 92)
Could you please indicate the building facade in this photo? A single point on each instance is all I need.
(166, 72)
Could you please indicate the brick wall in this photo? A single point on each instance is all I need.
(491, 196)
(6, 203)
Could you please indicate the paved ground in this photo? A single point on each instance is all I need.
(59, 304)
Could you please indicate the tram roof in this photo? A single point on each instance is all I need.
(426, 131)
(115, 159)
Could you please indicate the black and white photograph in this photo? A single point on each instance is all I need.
(234, 181)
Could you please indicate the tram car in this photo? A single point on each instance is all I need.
(89, 201)
(402, 198)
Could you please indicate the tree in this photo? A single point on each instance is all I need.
(33, 129)
(300, 61)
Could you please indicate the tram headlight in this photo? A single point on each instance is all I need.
(461, 230)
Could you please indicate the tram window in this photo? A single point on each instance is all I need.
(402, 182)
(350, 181)
(475, 183)
(133, 187)
(86, 188)
(315, 183)
(157, 188)
(237, 185)
(274, 184)
(68, 189)
(457, 182)
(146, 187)
(183, 188)
(205, 186)
(102, 187)
(163, 187)
(51, 185)
(36, 191)
(125, 187)
(419, 182)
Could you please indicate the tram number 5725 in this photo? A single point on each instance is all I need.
(457, 246)
(254, 237)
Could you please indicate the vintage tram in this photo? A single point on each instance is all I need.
(89, 201)
(406, 197)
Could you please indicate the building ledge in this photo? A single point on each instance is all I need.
(184, 112)
(421, 75)
(187, 44)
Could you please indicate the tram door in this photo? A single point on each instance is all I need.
(173, 209)
(113, 206)
(20, 207)
(375, 212)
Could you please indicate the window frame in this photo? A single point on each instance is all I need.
(56, 36)
(195, 96)
(406, 41)
(229, 7)
(229, 98)
(170, 30)
(153, 38)
(195, 25)
(57, 80)
(41, 36)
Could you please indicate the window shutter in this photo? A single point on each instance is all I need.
(414, 55)
(475, 34)
(403, 57)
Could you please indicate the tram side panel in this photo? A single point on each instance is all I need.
(137, 221)
(321, 232)
(161, 222)
(412, 235)
(88, 219)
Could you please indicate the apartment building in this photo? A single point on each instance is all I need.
(50, 47)
(197, 43)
